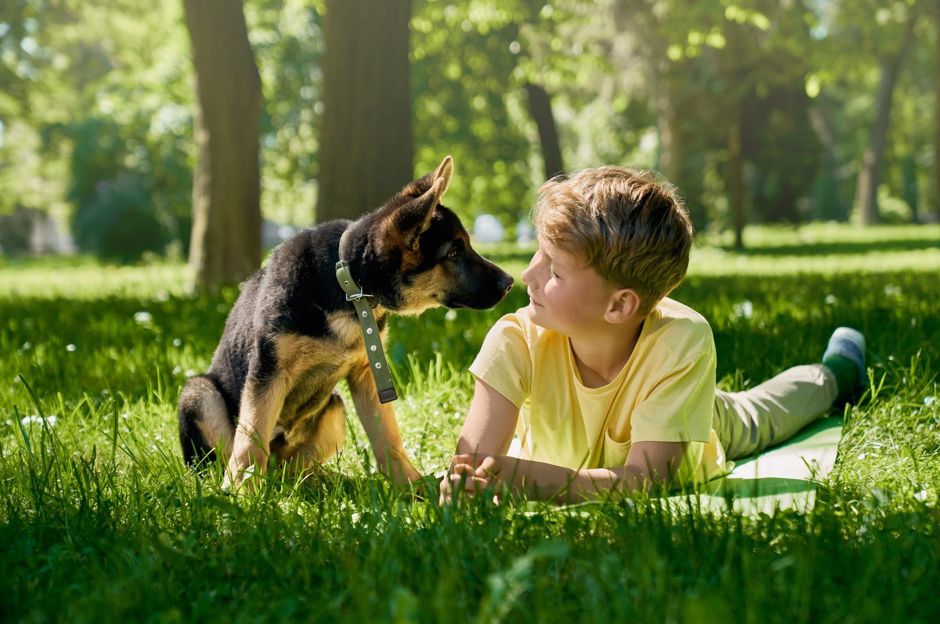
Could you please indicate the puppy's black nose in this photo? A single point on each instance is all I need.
(505, 283)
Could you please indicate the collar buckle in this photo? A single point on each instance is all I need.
(359, 295)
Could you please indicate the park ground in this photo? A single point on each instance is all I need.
(100, 522)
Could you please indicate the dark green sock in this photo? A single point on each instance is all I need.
(844, 370)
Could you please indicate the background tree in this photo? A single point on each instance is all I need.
(936, 115)
(96, 104)
(540, 107)
(366, 152)
(226, 236)
(872, 164)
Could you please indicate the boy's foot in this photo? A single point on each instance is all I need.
(845, 357)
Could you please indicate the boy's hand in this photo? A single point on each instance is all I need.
(472, 474)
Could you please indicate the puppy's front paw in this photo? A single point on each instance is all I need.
(242, 480)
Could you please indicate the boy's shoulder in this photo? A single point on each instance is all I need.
(669, 310)
(680, 328)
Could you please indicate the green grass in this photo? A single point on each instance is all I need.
(100, 522)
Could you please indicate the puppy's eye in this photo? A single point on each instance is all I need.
(453, 253)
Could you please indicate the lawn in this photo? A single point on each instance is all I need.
(100, 522)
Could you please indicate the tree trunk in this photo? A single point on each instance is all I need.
(540, 107)
(675, 144)
(936, 115)
(226, 234)
(832, 207)
(734, 68)
(736, 193)
(869, 177)
(668, 127)
(366, 148)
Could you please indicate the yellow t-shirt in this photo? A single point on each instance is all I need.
(664, 393)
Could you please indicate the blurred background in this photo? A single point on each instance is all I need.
(208, 130)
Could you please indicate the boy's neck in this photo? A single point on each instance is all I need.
(600, 356)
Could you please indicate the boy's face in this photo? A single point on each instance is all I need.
(566, 295)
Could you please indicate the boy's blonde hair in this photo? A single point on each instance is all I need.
(630, 228)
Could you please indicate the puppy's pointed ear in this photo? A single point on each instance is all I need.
(420, 186)
(443, 172)
(414, 218)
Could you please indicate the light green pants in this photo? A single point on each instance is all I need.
(748, 422)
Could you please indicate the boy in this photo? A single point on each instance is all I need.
(608, 383)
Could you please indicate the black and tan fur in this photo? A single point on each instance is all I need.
(292, 336)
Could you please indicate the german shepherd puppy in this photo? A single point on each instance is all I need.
(292, 335)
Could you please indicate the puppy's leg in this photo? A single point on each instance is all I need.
(378, 419)
(260, 407)
(317, 440)
(204, 422)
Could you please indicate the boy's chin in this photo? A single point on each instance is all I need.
(536, 315)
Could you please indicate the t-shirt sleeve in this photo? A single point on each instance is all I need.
(679, 407)
(504, 362)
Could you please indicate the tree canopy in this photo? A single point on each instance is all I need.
(759, 110)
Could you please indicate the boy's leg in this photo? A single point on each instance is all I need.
(748, 422)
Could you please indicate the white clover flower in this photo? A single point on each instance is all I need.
(35, 419)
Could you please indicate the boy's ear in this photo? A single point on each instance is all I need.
(623, 304)
(412, 219)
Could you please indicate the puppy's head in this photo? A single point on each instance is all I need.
(433, 263)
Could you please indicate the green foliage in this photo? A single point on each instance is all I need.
(99, 520)
(804, 73)
(118, 182)
(107, 91)
(120, 222)
(287, 40)
(462, 78)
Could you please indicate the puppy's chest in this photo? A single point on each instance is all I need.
(313, 365)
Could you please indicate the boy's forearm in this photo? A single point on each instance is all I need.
(538, 480)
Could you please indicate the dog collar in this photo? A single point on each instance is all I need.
(370, 331)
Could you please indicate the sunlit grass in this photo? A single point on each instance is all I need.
(99, 521)
(87, 279)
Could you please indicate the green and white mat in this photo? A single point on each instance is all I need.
(783, 477)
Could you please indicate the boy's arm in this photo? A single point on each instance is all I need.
(648, 464)
(490, 423)
(487, 431)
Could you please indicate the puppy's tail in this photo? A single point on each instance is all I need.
(205, 423)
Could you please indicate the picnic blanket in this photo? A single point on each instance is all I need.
(783, 477)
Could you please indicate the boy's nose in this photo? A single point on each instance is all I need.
(527, 272)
